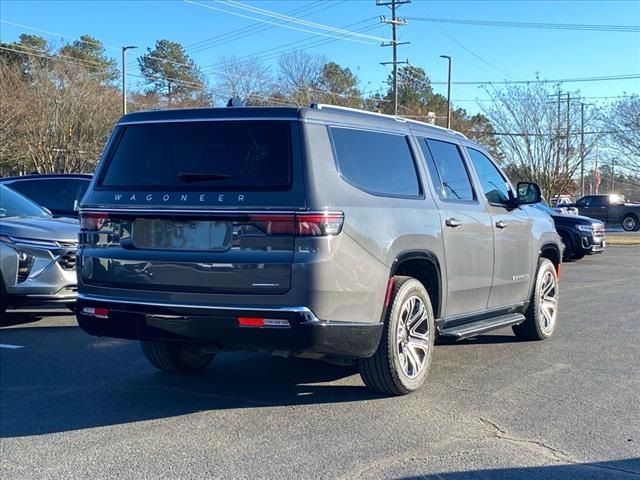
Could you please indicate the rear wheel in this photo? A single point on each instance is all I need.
(3, 298)
(542, 313)
(175, 356)
(630, 223)
(401, 363)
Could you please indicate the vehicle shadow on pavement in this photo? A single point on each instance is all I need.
(19, 318)
(611, 470)
(60, 379)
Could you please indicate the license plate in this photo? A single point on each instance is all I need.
(176, 235)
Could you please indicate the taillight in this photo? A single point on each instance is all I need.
(316, 224)
(274, 224)
(93, 221)
(319, 224)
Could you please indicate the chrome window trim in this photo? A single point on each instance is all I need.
(207, 119)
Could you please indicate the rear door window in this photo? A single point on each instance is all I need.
(225, 155)
(378, 163)
(448, 171)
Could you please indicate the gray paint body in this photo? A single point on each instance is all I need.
(341, 278)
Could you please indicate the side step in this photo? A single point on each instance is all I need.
(479, 327)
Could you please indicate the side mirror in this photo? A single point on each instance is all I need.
(528, 193)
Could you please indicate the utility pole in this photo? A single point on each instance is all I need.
(124, 77)
(448, 57)
(613, 173)
(582, 105)
(558, 135)
(394, 22)
(568, 143)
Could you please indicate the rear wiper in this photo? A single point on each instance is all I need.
(203, 177)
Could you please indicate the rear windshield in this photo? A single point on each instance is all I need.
(234, 155)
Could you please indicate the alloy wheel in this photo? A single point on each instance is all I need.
(548, 302)
(413, 336)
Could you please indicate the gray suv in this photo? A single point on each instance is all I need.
(321, 232)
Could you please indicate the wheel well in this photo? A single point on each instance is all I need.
(426, 272)
(552, 253)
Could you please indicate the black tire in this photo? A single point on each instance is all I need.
(567, 254)
(396, 368)
(3, 298)
(578, 256)
(175, 356)
(630, 223)
(540, 322)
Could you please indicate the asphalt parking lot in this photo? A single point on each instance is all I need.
(73, 406)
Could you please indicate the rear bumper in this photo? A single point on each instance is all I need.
(218, 326)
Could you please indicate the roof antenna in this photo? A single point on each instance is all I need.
(235, 102)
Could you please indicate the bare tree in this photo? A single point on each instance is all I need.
(537, 143)
(55, 120)
(249, 80)
(623, 125)
(300, 74)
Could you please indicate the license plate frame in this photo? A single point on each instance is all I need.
(185, 235)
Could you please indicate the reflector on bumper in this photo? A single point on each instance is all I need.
(258, 322)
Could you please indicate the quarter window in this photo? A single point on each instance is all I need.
(448, 173)
(379, 163)
(495, 186)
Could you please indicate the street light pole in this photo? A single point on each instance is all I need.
(124, 77)
(448, 91)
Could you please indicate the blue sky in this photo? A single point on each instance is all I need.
(479, 53)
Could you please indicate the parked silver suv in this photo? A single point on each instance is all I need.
(320, 232)
(37, 254)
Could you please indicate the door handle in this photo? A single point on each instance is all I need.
(452, 222)
(501, 224)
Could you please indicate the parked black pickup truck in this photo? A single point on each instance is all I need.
(610, 209)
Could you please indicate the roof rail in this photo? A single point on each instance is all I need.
(397, 118)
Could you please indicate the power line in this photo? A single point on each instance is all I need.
(62, 58)
(250, 29)
(491, 100)
(319, 26)
(283, 25)
(481, 59)
(97, 44)
(540, 25)
(630, 76)
(306, 43)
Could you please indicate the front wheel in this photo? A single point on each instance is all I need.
(542, 312)
(568, 247)
(630, 223)
(175, 356)
(402, 361)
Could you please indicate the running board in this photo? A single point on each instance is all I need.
(479, 327)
